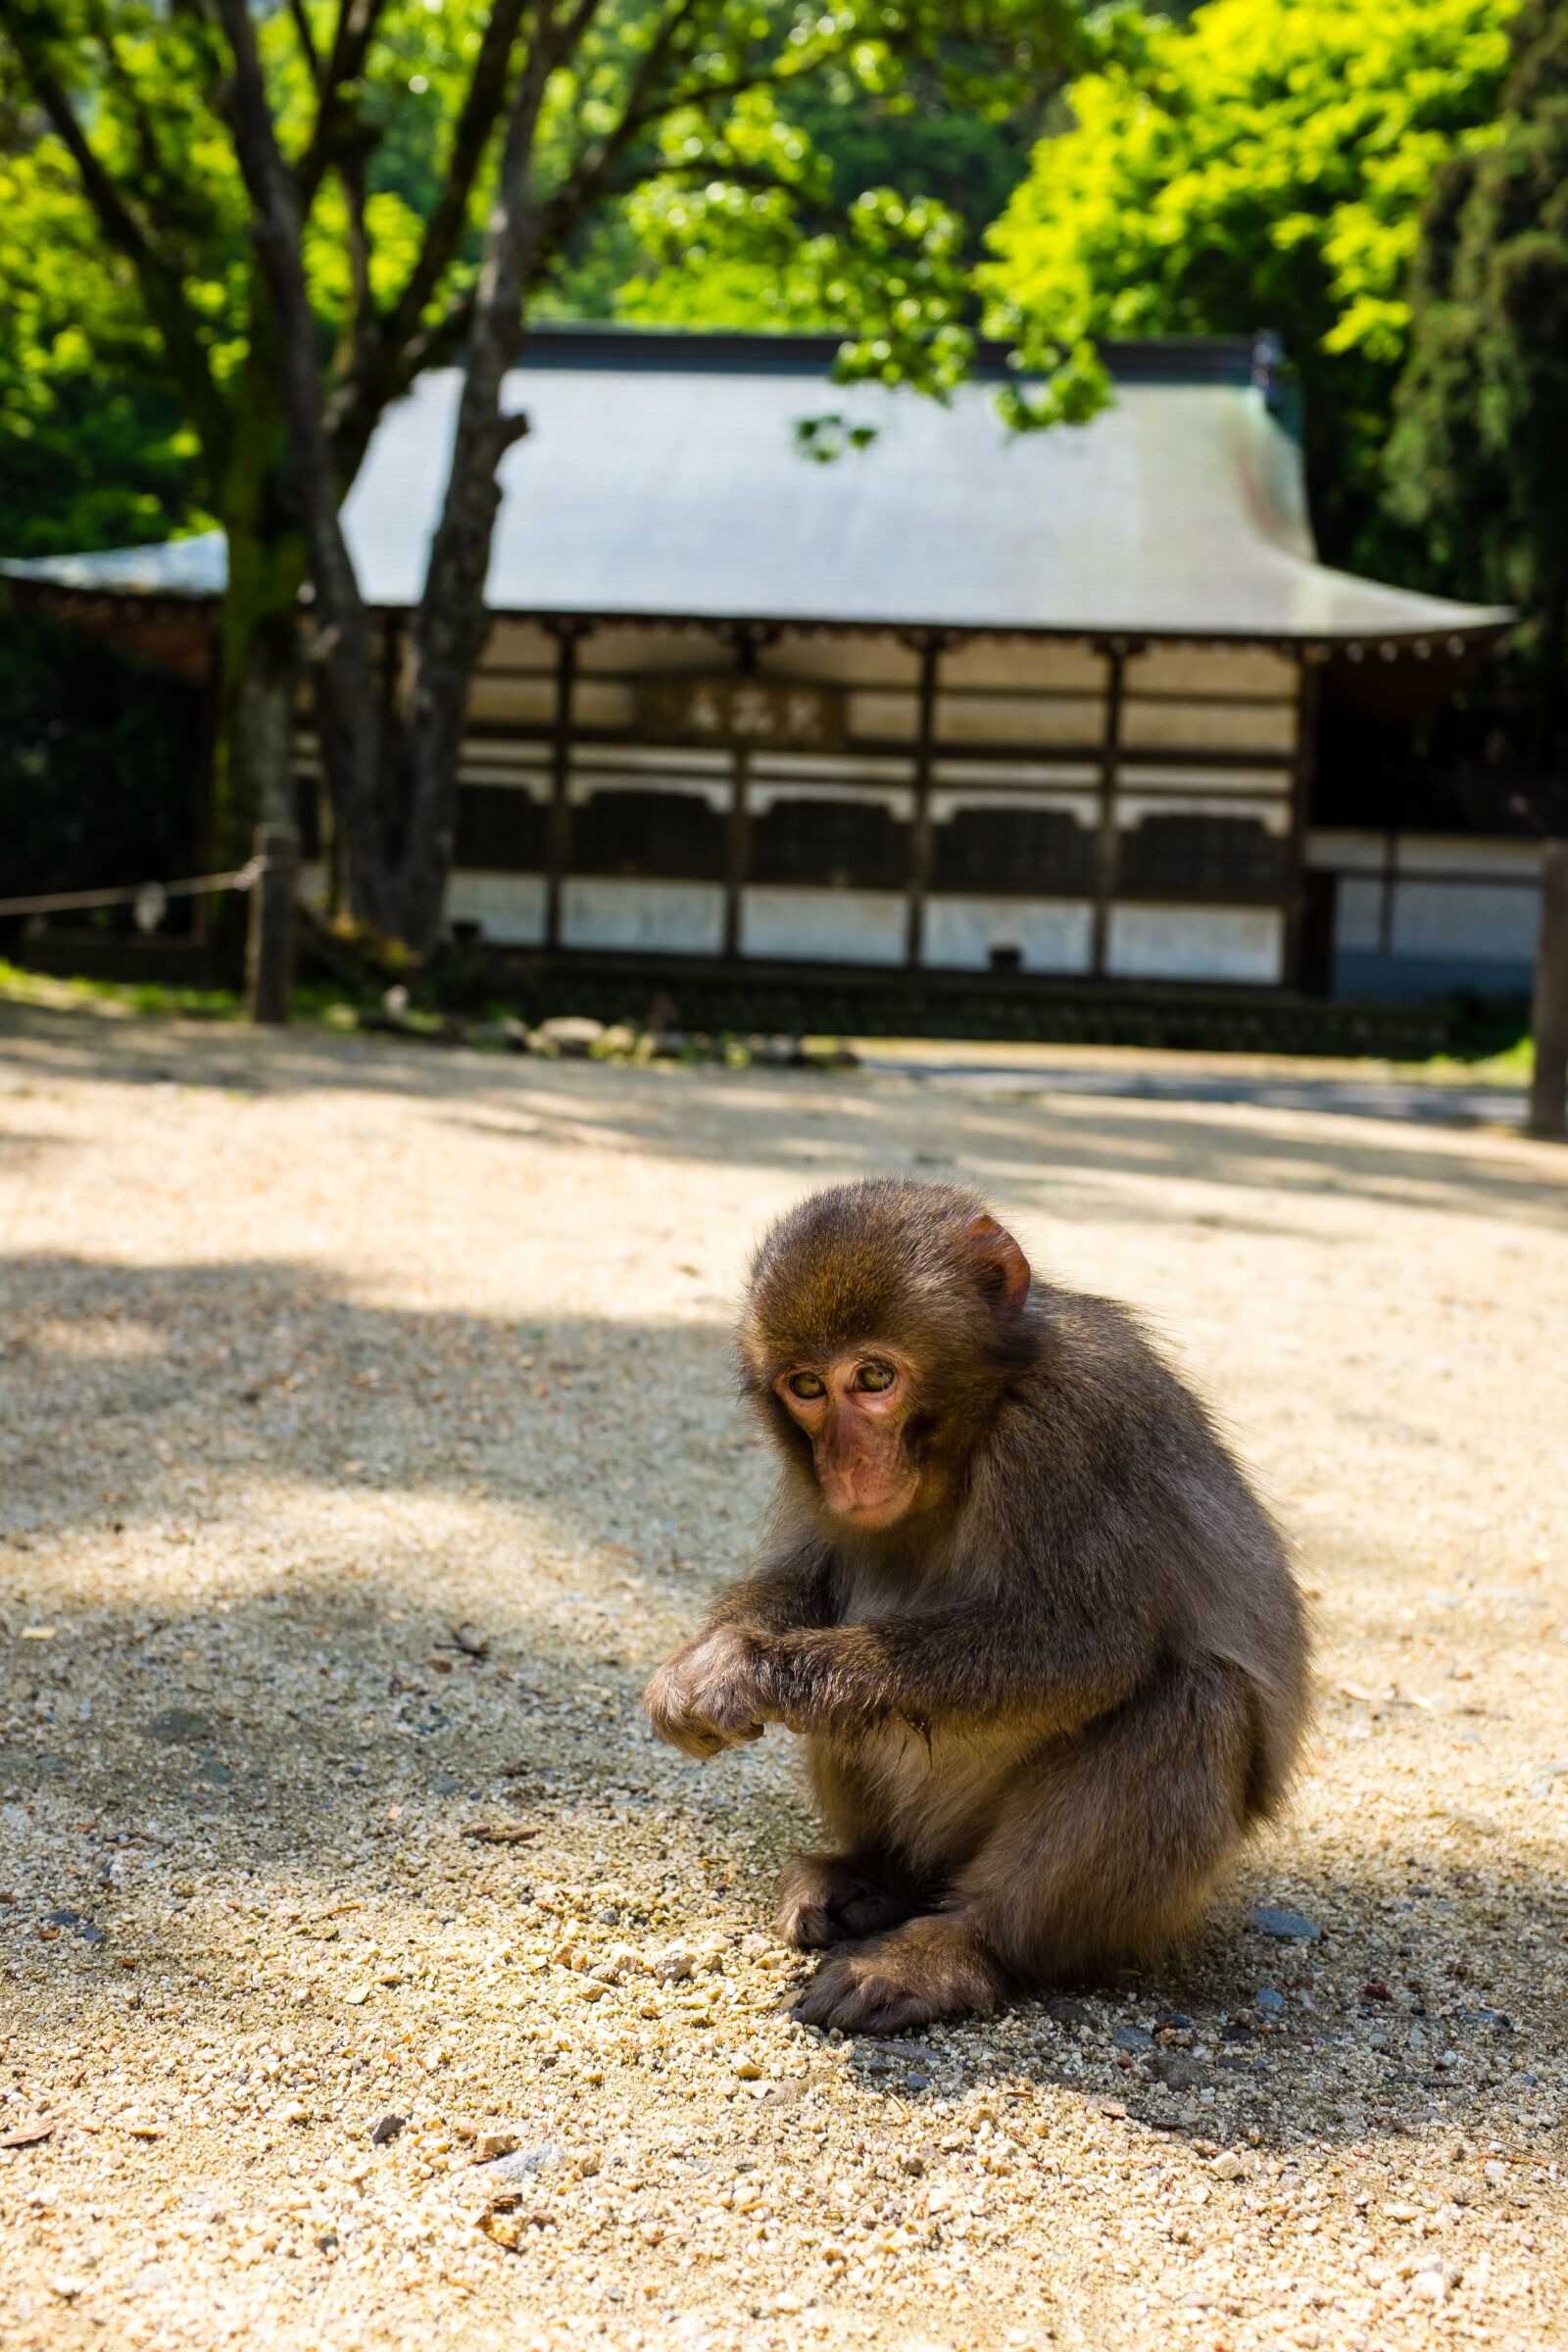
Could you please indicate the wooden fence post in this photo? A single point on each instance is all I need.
(269, 945)
(1548, 1091)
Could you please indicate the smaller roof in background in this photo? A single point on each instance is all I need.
(663, 477)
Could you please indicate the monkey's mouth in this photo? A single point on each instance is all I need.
(880, 1508)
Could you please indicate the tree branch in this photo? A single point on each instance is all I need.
(307, 39)
(482, 104)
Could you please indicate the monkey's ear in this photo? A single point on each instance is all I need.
(1001, 1266)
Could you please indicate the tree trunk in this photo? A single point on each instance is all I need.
(259, 622)
(452, 621)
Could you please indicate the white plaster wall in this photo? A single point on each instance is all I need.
(825, 926)
(1489, 922)
(655, 917)
(1196, 943)
(1208, 726)
(509, 909)
(1357, 913)
(1019, 718)
(1344, 852)
(992, 772)
(961, 933)
(884, 714)
(513, 702)
(1449, 854)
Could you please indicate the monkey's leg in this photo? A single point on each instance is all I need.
(1103, 1850)
(1107, 1848)
(834, 1898)
(937, 1965)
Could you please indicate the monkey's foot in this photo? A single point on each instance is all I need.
(931, 1967)
(831, 1898)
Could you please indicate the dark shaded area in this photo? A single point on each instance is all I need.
(102, 773)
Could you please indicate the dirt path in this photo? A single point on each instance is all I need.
(366, 1436)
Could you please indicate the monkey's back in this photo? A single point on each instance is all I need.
(1133, 1489)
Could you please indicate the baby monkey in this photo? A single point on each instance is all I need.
(1039, 1638)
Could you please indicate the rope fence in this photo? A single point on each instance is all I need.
(270, 875)
(151, 897)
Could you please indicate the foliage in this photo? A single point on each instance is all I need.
(1262, 164)
(1476, 459)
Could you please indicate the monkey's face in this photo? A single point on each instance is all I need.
(855, 1409)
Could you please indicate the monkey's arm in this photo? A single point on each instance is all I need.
(700, 1700)
(959, 1666)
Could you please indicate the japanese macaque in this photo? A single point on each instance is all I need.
(1039, 1638)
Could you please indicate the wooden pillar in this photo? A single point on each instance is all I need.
(929, 648)
(738, 830)
(1296, 844)
(1548, 1089)
(1106, 849)
(270, 946)
(203, 848)
(567, 635)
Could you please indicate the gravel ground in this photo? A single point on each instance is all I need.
(368, 1435)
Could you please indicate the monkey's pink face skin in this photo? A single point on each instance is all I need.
(853, 1410)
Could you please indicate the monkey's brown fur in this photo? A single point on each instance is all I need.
(1043, 1707)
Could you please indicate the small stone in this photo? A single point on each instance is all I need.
(1289, 1926)
(1065, 2011)
(674, 1966)
(1177, 2071)
(490, 2146)
(177, 1727)
(1495, 2173)
(571, 1035)
(78, 1925)
(384, 2132)
(914, 2166)
(1227, 2165)
(1132, 2038)
(747, 2070)
(1268, 2000)
(548, 2157)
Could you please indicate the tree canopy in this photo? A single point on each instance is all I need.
(1477, 461)
(1259, 165)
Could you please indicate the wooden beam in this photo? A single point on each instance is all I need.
(929, 646)
(1548, 1088)
(1108, 854)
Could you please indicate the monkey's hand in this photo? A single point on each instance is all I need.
(707, 1696)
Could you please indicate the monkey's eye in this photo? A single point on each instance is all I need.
(875, 1376)
(806, 1385)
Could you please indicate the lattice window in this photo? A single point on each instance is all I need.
(676, 835)
(845, 843)
(1043, 851)
(500, 831)
(1216, 857)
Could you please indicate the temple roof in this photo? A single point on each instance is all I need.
(661, 476)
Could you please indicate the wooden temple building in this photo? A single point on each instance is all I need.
(955, 701)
